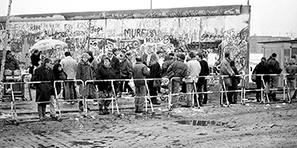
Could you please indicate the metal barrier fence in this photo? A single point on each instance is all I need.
(264, 90)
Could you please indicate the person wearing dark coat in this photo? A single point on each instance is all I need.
(125, 72)
(84, 73)
(235, 80)
(178, 70)
(59, 75)
(274, 68)
(168, 60)
(261, 68)
(115, 64)
(140, 71)
(105, 72)
(155, 72)
(202, 82)
(11, 63)
(35, 58)
(45, 91)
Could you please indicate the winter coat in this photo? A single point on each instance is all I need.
(59, 75)
(125, 69)
(204, 71)
(177, 69)
(235, 79)
(225, 69)
(193, 71)
(44, 90)
(84, 71)
(140, 71)
(11, 64)
(273, 66)
(115, 64)
(291, 70)
(261, 68)
(155, 71)
(165, 66)
(104, 73)
(69, 65)
(35, 59)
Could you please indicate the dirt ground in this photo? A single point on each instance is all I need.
(249, 125)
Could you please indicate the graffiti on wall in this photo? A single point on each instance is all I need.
(208, 30)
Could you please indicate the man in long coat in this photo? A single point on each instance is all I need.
(45, 90)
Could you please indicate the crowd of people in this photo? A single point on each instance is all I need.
(270, 70)
(187, 71)
(117, 64)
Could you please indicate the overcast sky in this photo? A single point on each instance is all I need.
(269, 17)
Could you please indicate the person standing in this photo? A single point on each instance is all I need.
(69, 65)
(168, 60)
(59, 75)
(125, 72)
(202, 81)
(178, 71)
(235, 80)
(115, 64)
(140, 71)
(155, 72)
(45, 91)
(261, 68)
(84, 73)
(11, 63)
(274, 68)
(291, 70)
(226, 71)
(193, 71)
(105, 72)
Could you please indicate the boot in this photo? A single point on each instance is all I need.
(101, 112)
(274, 97)
(106, 112)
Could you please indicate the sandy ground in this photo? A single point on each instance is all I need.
(249, 125)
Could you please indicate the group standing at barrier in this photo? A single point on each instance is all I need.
(107, 78)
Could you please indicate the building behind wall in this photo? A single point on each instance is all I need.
(255, 46)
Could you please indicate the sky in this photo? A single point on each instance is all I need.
(268, 17)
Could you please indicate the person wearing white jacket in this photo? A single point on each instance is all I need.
(191, 79)
(69, 65)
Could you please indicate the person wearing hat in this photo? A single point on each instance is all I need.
(177, 70)
(274, 68)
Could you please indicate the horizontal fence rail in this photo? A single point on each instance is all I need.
(243, 89)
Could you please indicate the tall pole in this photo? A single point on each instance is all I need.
(248, 40)
(151, 5)
(4, 47)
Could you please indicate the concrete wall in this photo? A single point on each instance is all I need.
(214, 29)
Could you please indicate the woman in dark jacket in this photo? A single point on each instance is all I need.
(59, 75)
(155, 72)
(261, 68)
(45, 90)
(105, 72)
